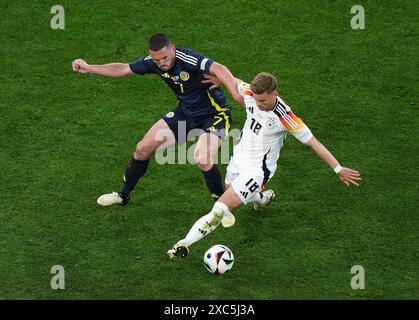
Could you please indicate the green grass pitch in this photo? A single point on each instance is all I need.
(66, 138)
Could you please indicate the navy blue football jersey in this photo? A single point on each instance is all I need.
(194, 97)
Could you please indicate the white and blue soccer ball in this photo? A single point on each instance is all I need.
(218, 259)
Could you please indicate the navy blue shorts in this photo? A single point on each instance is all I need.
(185, 128)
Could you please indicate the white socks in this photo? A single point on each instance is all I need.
(206, 224)
(259, 198)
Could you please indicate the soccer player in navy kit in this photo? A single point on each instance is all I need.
(198, 105)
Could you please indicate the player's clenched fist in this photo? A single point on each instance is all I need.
(79, 65)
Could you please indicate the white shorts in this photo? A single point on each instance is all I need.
(245, 181)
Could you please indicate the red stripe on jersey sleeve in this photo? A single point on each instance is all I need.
(291, 122)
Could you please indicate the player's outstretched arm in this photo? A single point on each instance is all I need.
(226, 78)
(346, 175)
(107, 70)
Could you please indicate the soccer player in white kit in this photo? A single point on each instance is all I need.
(253, 164)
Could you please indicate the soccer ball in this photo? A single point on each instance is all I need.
(218, 259)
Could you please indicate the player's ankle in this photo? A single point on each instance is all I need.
(125, 198)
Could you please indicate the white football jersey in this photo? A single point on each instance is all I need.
(263, 134)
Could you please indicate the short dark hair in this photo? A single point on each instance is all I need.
(264, 82)
(158, 41)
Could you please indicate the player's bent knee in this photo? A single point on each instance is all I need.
(230, 198)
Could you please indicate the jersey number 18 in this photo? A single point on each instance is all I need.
(255, 126)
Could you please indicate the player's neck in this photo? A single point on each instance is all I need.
(273, 106)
